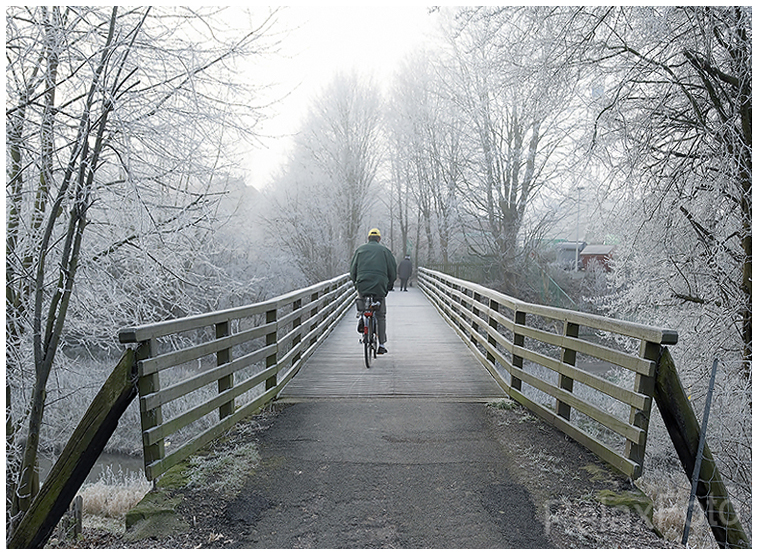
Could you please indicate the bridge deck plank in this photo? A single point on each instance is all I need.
(426, 359)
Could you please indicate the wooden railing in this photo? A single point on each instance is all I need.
(538, 365)
(198, 376)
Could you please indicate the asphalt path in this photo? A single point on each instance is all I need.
(383, 473)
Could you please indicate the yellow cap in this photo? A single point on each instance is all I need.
(374, 233)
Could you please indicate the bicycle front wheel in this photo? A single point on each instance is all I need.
(374, 336)
(368, 334)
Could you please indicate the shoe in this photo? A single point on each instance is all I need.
(360, 326)
(381, 350)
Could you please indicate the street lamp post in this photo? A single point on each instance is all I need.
(578, 196)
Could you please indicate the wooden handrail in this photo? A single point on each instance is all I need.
(139, 334)
(271, 351)
(501, 332)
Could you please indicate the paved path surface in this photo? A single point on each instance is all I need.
(387, 456)
(373, 473)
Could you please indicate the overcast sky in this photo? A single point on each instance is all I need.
(324, 40)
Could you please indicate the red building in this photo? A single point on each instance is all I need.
(600, 254)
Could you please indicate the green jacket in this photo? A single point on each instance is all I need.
(373, 269)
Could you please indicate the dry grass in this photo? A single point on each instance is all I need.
(114, 494)
(586, 524)
(670, 492)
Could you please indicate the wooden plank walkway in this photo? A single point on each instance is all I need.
(426, 358)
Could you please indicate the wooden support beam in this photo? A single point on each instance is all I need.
(684, 429)
(78, 457)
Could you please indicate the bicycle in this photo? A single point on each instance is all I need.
(370, 328)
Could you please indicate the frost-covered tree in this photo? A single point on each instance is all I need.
(330, 184)
(675, 133)
(116, 129)
(425, 129)
(507, 74)
(679, 106)
(304, 221)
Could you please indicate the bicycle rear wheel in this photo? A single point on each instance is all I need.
(368, 334)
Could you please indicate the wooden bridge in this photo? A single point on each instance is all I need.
(426, 359)
(591, 377)
(200, 375)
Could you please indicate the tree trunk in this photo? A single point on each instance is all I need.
(45, 346)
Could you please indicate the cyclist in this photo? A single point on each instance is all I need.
(373, 270)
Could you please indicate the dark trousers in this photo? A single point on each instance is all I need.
(381, 318)
(404, 284)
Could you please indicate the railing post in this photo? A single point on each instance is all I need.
(271, 340)
(314, 312)
(564, 382)
(154, 417)
(644, 385)
(224, 356)
(448, 293)
(295, 325)
(492, 325)
(475, 310)
(457, 308)
(519, 318)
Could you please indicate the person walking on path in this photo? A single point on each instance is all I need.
(404, 271)
(373, 271)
